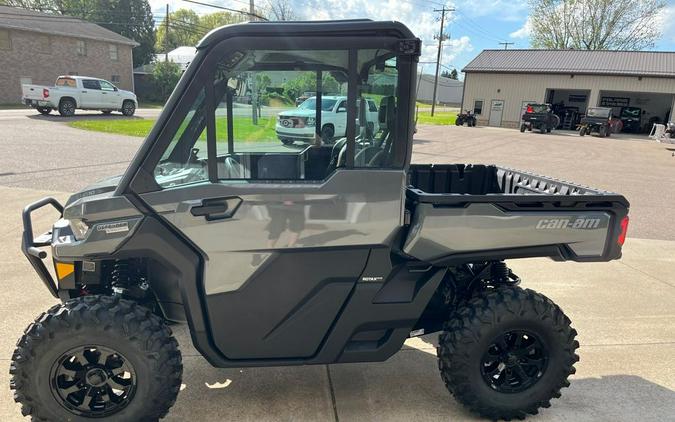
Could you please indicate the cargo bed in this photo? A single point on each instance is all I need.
(467, 212)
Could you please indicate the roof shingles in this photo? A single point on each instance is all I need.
(597, 62)
(28, 20)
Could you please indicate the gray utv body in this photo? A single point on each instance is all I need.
(380, 240)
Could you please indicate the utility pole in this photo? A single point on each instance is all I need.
(506, 45)
(441, 37)
(254, 85)
(166, 35)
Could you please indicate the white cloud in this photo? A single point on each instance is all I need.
(523, 32)
(666, 20)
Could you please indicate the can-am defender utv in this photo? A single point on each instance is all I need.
(290, 255)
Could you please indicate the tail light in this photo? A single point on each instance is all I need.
(45, 93)
(624, 230)
(530, 109)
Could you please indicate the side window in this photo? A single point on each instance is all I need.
(377, 123)
(81, 48)
(106, 86)
(478, 107)
(184, 161)
(5, 40)
(280, 123)
(91, 84)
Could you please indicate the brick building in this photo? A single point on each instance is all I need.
(37, 47)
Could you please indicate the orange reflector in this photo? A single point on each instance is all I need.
(64, 269)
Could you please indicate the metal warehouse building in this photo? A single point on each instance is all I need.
(498, 84)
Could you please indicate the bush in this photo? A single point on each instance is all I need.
(163, 80)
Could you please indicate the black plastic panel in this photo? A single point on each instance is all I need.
(286, 310)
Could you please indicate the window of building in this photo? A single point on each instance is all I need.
(478, 107)
(113, 51)
(115, 79)
(303, 127)
(81, 48)
(43, 44)
(5, 40)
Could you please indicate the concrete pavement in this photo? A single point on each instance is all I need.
(624, 310)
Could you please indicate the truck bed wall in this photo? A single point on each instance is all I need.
(483, 212)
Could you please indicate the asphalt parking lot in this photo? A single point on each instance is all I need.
(624, 310)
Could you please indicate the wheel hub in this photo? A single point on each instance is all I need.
(93, 381)
(514, 361)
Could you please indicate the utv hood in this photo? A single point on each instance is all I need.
(107, 185)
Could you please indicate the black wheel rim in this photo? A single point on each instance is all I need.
(128, 108)
(514, 361)
(93, 381)
(68, 108)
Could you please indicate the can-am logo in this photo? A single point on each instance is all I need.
(110, 228)
(568, 223)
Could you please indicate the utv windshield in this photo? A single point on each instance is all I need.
(236, 125)
(599, 112)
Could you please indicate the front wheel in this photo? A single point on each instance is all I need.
(44, 110)
(522, 128)
(507, 352)
(96, 357)
(128, 108)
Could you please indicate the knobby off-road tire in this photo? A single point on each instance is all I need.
(485, 330)
(66, 343)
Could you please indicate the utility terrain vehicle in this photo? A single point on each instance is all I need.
(467, 117)
(597, 120)
(293, 255)
(539, 116)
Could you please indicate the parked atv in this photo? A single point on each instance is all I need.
(539, 116)
(597, 120)
(468, 117)
(317, 255)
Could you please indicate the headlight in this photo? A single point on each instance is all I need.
(311, 121)
(79, 228)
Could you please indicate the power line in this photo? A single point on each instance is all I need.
(250, 13)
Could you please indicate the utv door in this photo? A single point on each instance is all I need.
(275, 277)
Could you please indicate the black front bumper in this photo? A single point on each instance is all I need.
(30, 246)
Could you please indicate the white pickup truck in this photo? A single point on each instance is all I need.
(298, 124)
(79, 92)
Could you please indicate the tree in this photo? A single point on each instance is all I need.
(187, 28)
(595, 24)
(165, 76)
(450, 74)
(280, 10)
(306, 81)
(184, 29)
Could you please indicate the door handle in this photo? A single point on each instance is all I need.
(84, 92)
(217, 208)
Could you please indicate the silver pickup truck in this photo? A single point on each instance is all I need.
(79, 92)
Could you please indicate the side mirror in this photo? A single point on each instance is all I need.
(116, 89)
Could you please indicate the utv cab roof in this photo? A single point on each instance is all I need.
(353, 27)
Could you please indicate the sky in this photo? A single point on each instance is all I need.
(473, 26)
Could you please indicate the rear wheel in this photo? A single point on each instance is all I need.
(93, 357)
(602, 132)
(507, 352)
(582, 131)
(67, 107)
(128, 108)
(459, 122)
(44, 110)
